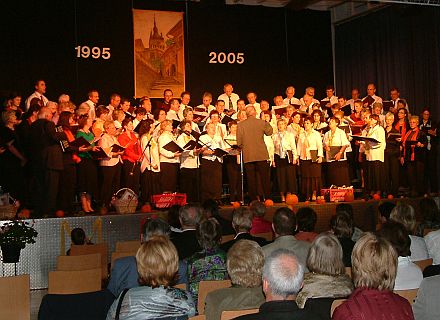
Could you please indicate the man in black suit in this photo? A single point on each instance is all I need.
(46, 161)
(186, 241)
(242, 223)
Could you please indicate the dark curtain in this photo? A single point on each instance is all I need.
(398, 46)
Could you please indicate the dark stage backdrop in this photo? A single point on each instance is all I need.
(397, 46)
(279, 47)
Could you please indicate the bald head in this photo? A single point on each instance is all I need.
(45, 113)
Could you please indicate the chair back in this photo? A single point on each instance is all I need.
(15, 298)
(231, 314)
(199, 317)
(266, 235)
(424, 263)
(128, 246)
(205, 287)
(101, 248)
(72, 282)
(181, 286)
(118, 255)
(336, 303)
(227, 238)
(348, 271)
(409, 295)
(76, 263)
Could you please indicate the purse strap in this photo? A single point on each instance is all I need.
(121, 298)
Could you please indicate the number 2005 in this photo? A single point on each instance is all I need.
(230, 57)
(95, 52)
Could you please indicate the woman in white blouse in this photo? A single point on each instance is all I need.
(150, 165)
(169, 161)
(285, 160)
(210, 164)
(335, 143)
(375, 155)
(189, 163)
(310, 152)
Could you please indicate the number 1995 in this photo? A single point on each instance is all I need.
(95, 52)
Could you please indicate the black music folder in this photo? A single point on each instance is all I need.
(365, 139)
(334, 150)
(173, 147)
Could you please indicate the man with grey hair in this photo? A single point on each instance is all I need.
(282, 280)
(186, 241)
(250, 138)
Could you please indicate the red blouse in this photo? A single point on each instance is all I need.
(132, 146)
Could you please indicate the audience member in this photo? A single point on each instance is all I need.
(305, 222)
(284, 224)
(342, 226)
(186, 241)
(327, 279)
(374, 272)
(282, 280)
(211, 209)
(242, 224)
(155, 298)
(430, 214)
(259, 224)
(210, 262)
(404, 214)
(385, 209)
(347, 208)
(409, 276)
(427, 305)
(245, 263)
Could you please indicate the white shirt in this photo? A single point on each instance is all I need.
(37, 95)
(165, 155)
(338, 139)
(213, 143)
(105, 143)
(188, 159)
(332, 100)
(225, 98)
(307, 142)
(283, 142)
(270, 147)
(409, 275)
(418, 248)
(432, 241)
(374, 152)
(92, 113)
(292, 101)
(173, 115)
(151, 154)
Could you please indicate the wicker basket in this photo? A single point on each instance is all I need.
(8, 211)
(125, 201)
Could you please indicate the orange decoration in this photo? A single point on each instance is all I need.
(59, 213)
(376, 196)
(390, 197)
(349, 196)
(268, 203)
(292, 199)
(146, 208)
(307, 202)
(24, 214)
(236, 204)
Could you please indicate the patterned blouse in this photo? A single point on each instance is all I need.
(208, 264)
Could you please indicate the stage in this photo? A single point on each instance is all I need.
(40, 258)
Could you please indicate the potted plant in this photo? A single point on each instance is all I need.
(14, 236)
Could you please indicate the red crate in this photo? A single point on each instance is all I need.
(335, 194)
(167, 200)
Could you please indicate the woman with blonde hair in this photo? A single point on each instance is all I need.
(327, 279)
(157, 265)
(374, 272)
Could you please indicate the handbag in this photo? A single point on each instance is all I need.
(121, 298)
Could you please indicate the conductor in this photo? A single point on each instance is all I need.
(250, 138)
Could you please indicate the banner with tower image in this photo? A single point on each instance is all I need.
(159, 55)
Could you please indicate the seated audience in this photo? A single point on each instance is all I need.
(245, 267)
(347, 208)
(155, 298)
(259, 224)
(282, 280)
(78, 237)
(327, 279)
(409, 275)
(342, 226)
(305, 223)
(385, 209)
(404, 214)
(210, 262)
(284, 224)
(427, 305)
(374, 272)
(186, 241)
(211, 210)
(432, 240)
(242, 224)
(431, 216)
(124, 273)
